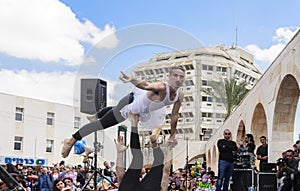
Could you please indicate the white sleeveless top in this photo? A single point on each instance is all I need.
(152, 113)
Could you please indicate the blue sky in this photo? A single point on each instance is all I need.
(43, 43)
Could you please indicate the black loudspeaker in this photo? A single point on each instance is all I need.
(242, 179)
(267, 181)
(93, 95)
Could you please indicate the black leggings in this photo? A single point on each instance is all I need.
(152, 180)
(107, 117)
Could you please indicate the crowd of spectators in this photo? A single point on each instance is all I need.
(74, 177)
(61, 177)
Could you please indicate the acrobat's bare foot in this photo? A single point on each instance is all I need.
(91, 118)
(67, 146)
(172, 143)
(155, 134)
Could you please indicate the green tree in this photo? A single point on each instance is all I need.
(229, 91)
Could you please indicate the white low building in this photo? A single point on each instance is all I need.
(32, 132)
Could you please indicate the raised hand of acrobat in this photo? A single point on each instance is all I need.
(120, 144)
(124, 77)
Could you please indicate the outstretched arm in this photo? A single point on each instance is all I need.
(174, 115)
(120, 168)
(142, 84)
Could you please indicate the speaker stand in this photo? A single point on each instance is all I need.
(95, 171)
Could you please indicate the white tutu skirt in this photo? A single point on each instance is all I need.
(152, 114)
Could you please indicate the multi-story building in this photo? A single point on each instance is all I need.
(32, 130)
(201, 114)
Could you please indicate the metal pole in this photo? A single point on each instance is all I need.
(187, 161)
(95, 161)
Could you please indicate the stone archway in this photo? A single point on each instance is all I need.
(215, 158)
(284, 114)
(259, 123)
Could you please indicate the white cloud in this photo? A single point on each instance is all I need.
(54, 87)
(267, 55)
(284, 35)
(48, 30)
(57, 87)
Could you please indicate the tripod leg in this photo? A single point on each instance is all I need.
(10, 182)
(88, 181)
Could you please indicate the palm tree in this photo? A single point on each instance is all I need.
(229, 91)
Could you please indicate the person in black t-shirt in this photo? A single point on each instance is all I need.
(262, 153)
(225, 167)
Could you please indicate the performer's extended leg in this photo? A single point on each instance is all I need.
(152, 181)
(110, 118)
(130, 180)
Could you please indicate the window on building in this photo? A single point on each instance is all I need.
(181, 56)
(50, 118)
(19, 114)
(204, 83)
(185, 130)
(190, 114)
(207, 67)
(218, 115)
(221, 69)
(149, 72)
(49, 146)
(168, 116)
(77, 122)
(188, 98)
(207, 133)
(18, 143)
(218, 100)
(189, 83)
(206, 98)
(206, 114)
(189, 67)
